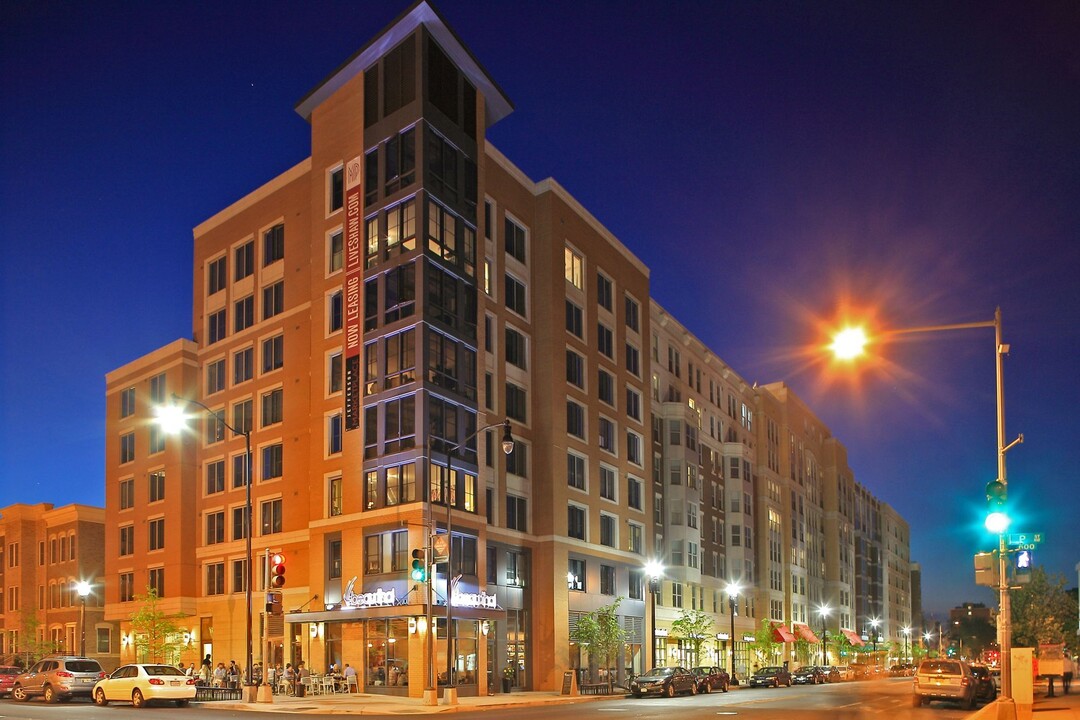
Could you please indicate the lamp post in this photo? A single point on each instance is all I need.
(874, 622)
(655, 571)
(926, 641)
(849, 344)
(173, 419)
(733, 606)
(83, 588)
(824, 611)
(449, 495)
(907, 639)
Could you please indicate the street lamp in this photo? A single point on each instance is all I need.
(733, 605)
(83, 588)
(173, 420)
(874, 622)
(907, 639)
(926, 641)
(655, 571)
(824, 611)
(850, 343)
(449, 495)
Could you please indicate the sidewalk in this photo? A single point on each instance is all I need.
(1059, 707)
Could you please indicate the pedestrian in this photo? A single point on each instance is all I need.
(290, 679)
(234, 675)
(1068, 668)
(220, 675)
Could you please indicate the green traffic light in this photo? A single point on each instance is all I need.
(997, 518)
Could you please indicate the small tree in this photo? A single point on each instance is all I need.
(764, 644)
(157, 636)
(1042, 610)
(602, 633)
(33, 643)
(695, 627)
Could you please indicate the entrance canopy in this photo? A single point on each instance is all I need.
(781, 633)
(853, 637)
(805, 633)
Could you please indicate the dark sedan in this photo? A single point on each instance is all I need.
(770, 676)
(985, 689)
(666, 681)
(808, 675)
(711, 678)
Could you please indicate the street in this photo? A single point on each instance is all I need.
(886, 698)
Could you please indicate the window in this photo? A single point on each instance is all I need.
(274, 244)
(632, 311)
(401, 227)
(335, 316)
(127, 494)
(157, 439)
(271, 516)
(606, 387)
(271, 407)
(335, 374)
(517, 349)
(127, 402)
(574, 320)
(216, 327)
(336, 188)
(607, 530)
(633, 360)
(605, 342)
(514, 239)
(515, 295)
(273, 350)
(515, 569)
(604, 291)
(516, 402)
(244, 260)
(156, 530)
(157, 486)
(334, 497)
(335, 251)
(244, 313)
(400, 293)
(574, 268)
(243, 365)
(127, 448)
(215, 428)
(333, 559)
(516, 513)
(575, 522)
(575, 471)
(333, 434)
(575, 574)
(373, 561)
(676, 595)
(517, 460)
(215, 527)
(607, 580)
(127, 587)
(633, 493)
(633, 447)
(636, 534)
(240, 575)
(575, 419)
(216, 280)
(633, 404)
(242, 415)
(271, 461)
(400, 161)
(215, 376)
(273, 300)
(575, 369)
(607, 435)
(215, 579)
(127, 540)
(240, 522)
(157, 389)
(215, 477)
(637, 585)
(608, 481)
(400, 424)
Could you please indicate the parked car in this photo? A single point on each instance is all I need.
(666, 681)
(770, 676)
(901, 670)
(808, 675)
(7, 678)
(985, 687)
(711, 678)
(860, 671)
(944, 680)
(142, 683)
(845, 672)
(831, 673)
(58, 678)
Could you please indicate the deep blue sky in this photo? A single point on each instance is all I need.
(771, 162)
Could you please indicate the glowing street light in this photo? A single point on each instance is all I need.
(83, 588)
(733, 601)
(849, 343)
(824, 611)
(655, 570)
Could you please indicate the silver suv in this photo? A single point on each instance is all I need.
(58, 678)
(944, 680)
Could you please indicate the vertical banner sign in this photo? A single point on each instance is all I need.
(354, 281)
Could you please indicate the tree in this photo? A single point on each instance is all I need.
(157, 635)
(603, 635)
(764, 644)
(33, 645)
(974, 634)
(695, 627)
(1042, 610)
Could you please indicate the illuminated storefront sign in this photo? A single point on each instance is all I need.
(476, 600)
(376, 598)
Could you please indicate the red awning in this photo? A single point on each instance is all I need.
(853, 637)
(781, 633)
(805, 632)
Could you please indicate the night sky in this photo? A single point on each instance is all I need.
(777, 166)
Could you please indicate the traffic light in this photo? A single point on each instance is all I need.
(277, 570)
(997, 518)
(418, 572)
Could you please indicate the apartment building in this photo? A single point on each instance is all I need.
(368, 323)
(46, 552)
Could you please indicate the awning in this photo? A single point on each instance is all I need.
(781, 633)
(853, 637)
(805, 632)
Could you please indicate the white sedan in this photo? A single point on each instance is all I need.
(140, 683)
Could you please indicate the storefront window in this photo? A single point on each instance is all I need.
(466, 649)
(388, 653)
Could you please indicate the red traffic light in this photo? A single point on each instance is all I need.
(277, 570)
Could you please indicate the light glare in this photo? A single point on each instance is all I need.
(849, 343)
(997, 522)
(171, 418)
